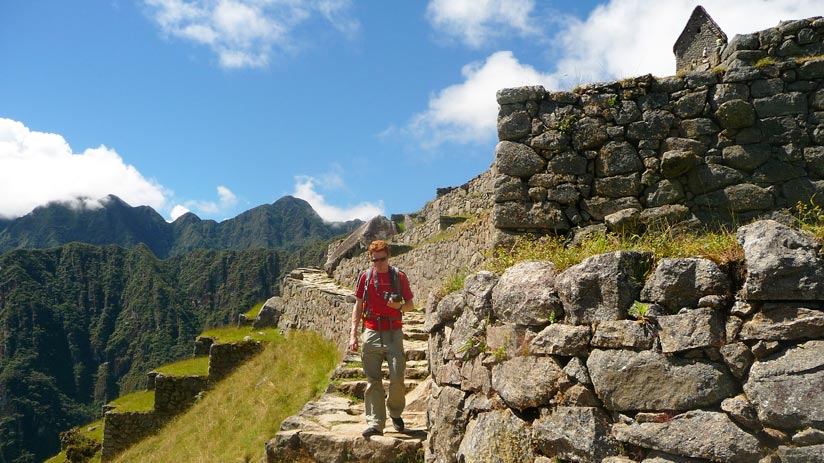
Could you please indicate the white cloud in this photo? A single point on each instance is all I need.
(621, 38)
(178, 211)
(226, 201)
(467, 112)
(243, 33)
(306, 190)
(632, 37)
(477, 22)
(37, 168)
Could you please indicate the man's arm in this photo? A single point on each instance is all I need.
(357, 310)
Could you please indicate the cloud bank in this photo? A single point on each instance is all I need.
(620, 38)
(37, 168)
(479, 22)
(306, 189)
(246, 33)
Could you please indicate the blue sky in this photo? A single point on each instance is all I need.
(359, 107)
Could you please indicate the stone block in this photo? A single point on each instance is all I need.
(575, 434)
(602, 287)
(620, 334)
(561, 339)
(646, 380)
(694, 329)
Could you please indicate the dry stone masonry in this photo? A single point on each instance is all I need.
(172, 395)
(720, 146)
(539, 364)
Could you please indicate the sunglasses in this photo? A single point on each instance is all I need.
(380, 259)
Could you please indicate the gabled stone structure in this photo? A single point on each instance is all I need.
(700, 44)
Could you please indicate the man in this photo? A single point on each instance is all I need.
(381, 297)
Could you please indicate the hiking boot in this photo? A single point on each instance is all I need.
(372, 431)
(397, 423)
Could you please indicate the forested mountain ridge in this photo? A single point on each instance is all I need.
(288, 223)
(82, 324)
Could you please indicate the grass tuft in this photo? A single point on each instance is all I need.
(720, 247)
(233, 421)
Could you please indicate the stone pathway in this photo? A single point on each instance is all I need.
(329, 429)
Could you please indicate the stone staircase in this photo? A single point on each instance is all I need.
(329, 429)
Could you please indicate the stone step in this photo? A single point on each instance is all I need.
(329, 429)
(415, 369)
(356, 388)
(416, 349)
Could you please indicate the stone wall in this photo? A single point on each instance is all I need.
(312, 301)
(471, 199)
(791, 39)
(703, 148)
(225, 358)
(174, 394)
(699, 362)
(122, 430)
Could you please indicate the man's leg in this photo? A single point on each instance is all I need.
(397, 370)
(372, 355)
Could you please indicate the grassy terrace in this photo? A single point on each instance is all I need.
(253, 311)
(234, 334)
(196, 366)
(234, 420)
(140, 401)
(92, 432)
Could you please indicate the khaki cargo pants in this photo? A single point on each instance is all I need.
(377, 346)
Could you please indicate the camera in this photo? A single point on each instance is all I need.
(392, 297)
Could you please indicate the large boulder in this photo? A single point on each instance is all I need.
(579, 434)
(783, 264)
(377, 228)
(496, 436)
(709, 435)
(269, 314)
(602, 287)
(646, 380)
(678, 283)
(525, 294)
(448, 421)
(526, 382)
(786, 388)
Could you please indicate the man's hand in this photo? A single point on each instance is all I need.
(353, 343)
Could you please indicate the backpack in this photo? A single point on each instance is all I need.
(394, 279)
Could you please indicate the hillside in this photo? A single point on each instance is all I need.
(81, 324)
(288, 222)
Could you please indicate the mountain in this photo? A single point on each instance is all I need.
(288, 223)
(81, 324)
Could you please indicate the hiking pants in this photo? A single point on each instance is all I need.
(379, 345)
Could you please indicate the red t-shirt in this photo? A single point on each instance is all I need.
(376, 303)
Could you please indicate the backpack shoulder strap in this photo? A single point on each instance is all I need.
(395, 279)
